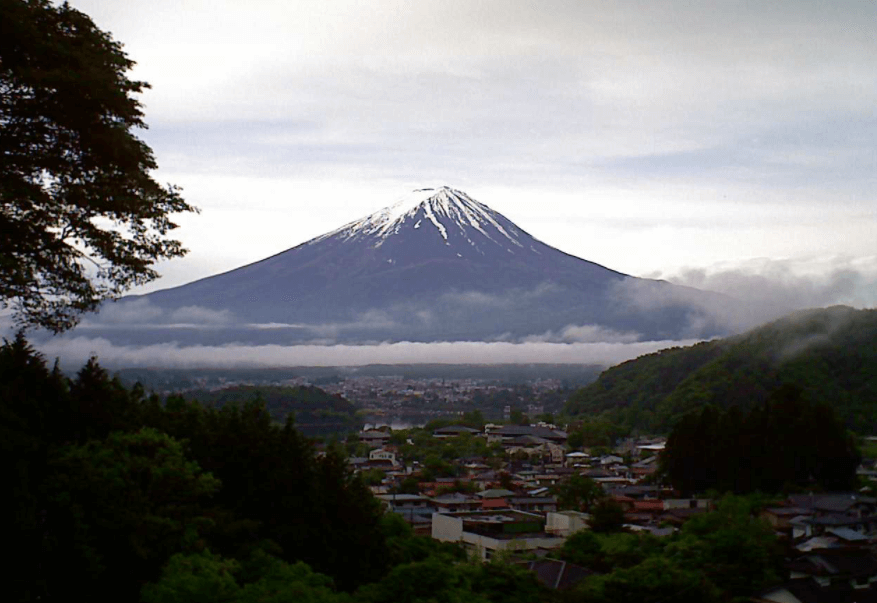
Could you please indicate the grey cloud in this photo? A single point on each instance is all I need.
(670, 84)
(480, 299)
(268, 326)
(370, 320)
(725, 312)
(760, 291)
(125, 312)
(200, 315)
(141, 314)
(475, 298)
(782, 284)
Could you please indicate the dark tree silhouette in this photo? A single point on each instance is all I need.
(787, 441)
(81, 216)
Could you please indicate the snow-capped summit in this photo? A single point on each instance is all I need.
(436, 265)
(438, 225)
(453, 215)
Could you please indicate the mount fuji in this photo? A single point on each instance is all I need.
(436, 266)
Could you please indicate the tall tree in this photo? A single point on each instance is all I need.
(81, 216)
(578, 493)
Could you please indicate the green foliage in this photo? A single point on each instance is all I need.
(831, 354)
(116, 494)
(429, 450)
(196, 578)
(409, 485)
(583, 548)
(640, 383)
(500, 582)
(372, 477)
(578, 493)
(717, 556)
(432, 579)
(594, 433)
(209, 578)
(82, 218)
(626, 549)
(436, 580)
(404, 546)
(517, 417)
(546, 418)
(120, 507)
(787, 440)
(315, 411)
(606, 516)
(655, 579)
(736, 550)
(473, 419)
(109, 483)
(868, 448)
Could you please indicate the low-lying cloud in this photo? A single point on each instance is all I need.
(76, 350)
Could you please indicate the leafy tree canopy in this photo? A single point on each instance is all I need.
(787, 441)
(82, 218)
(736, 550)
(578, 493)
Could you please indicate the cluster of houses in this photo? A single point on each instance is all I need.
(831, 538)
(512, 508)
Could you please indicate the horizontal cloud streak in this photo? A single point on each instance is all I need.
(76, 350)
(583, 334)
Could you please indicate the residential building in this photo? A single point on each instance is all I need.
(486, 533)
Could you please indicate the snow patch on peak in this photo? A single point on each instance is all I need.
(445, 208)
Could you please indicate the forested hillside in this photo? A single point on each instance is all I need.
(315, 411)
(831, 354)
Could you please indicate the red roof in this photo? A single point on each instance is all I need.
(494, 503)
(648, 505)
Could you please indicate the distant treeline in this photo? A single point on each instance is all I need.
(316, 412)
(830, 354)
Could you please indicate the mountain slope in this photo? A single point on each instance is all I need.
(437, 265)
(830, 353)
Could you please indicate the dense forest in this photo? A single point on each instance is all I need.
(831, 354)
(126, 498)
(786, 443)
(315, 412)
(122, 497)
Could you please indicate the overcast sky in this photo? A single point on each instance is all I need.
(720, 144)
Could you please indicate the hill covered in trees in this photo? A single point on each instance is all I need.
(316, 412)
(830, 354)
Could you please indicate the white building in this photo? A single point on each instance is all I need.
(485, 533)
